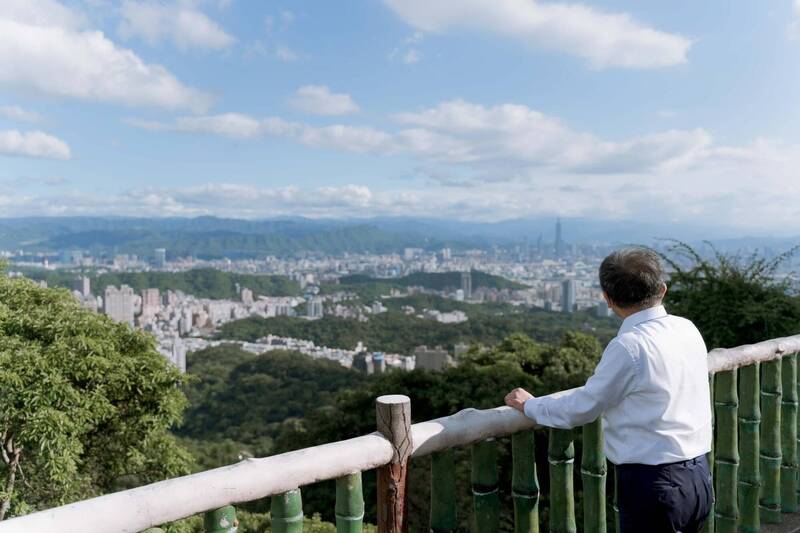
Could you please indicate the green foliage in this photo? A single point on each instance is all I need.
(480, 381)
(439, 281)
(732, 300)
(87, 402)
(247, 399)
(200, 282)
(395, 332)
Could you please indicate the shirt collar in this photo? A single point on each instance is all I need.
(644, 315)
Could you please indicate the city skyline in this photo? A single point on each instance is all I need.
(470, 111)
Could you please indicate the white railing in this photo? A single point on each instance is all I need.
(166, 501)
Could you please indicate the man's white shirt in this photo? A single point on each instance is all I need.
(651, 388)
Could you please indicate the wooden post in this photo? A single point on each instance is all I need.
(286, 511)
(561, 455)
(524, 482)
(771, 393)
(349, 504)
(443, 492)
(789, 434)
(593, 473)
(726, 451)
(749, 471)
(222, 520)
(393, 414)
(485, 496)
(710, 525)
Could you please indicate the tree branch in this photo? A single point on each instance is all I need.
(8, 490)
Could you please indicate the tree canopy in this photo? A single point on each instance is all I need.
(87, 402)
(733, 300)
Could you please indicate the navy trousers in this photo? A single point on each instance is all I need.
(668, 498)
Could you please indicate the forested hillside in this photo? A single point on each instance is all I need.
(201, 282)
(396, 332)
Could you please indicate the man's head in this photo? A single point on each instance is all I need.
(631, 280)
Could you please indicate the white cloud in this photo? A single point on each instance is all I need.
(44, 48)
(603, 39)
(17, 113)
(33, 144)
(411, 57)
(285, 54)
(180, 22)
(496, 142)
(48, 13)
(319, 100)
(794, 25)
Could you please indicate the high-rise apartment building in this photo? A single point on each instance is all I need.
(569, 290)
(83, 285)
(315, 309)
(160, 258)
(466, 284)
(151, 301)
(118, 304)
(247, 296)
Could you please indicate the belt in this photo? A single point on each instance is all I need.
(640, 466)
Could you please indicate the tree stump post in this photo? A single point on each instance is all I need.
(393, 416)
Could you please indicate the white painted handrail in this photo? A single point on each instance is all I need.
(137, 509)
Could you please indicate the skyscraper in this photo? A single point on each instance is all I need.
(160, 258)
(559, 245)
(466, 284)
(568, 295)
(118, 303)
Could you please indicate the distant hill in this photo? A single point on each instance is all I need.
(208, 237)
(212, 237)
(201, 282)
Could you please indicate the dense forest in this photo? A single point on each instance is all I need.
(200, 282)
(243, 405)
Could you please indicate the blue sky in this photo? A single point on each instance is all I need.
(469, 109)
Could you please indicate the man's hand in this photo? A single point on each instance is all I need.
(517, 397)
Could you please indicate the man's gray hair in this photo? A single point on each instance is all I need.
(632, 277)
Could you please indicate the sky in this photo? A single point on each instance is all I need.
(481, 110)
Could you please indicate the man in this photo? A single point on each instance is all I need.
(651, 389)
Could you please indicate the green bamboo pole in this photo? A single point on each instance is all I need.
(771, 392)
(443, 492)
(789, 434)
(286, 511)
(593, 473)
(222, 520)
(349, 504)
(485, 496)
(749, 472)
(153, 530)
(710, 524)
(726, 452)
(561, 456)
(525, 483)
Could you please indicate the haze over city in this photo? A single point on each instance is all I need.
(681, 113)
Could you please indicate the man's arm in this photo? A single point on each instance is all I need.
(612, 380)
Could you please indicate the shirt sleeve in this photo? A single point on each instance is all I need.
(613, 379)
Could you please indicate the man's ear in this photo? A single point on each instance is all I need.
(662, 291)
